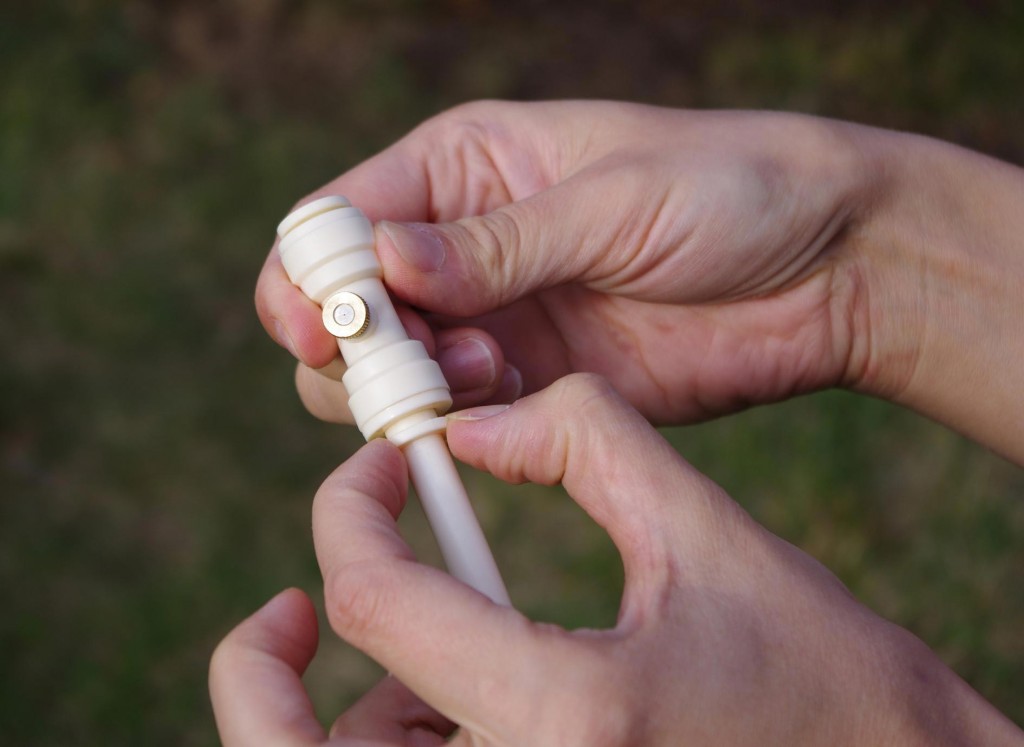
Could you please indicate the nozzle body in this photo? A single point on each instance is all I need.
(395, 389)
(327, 249)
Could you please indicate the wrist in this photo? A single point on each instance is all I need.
(939, 262)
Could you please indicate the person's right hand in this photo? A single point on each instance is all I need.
(700, 261)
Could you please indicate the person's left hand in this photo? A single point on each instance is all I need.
(726, 634)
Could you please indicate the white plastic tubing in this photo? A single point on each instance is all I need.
(395, 389)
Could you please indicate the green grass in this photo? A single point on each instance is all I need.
(156, 468)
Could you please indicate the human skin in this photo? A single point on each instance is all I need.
(700, 261)
(726, 634)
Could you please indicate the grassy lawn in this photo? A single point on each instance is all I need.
(156, 468)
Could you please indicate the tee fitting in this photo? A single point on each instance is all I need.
(395, 389)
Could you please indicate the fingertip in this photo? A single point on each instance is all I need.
(423, 267)
(578, 432)
(322, 393)
(279, 333)
(290, 602)
(285, 627)
(376, 472)
(419, 245)
(255, 675)
(312, 343)
(290, 318)
(475, 414)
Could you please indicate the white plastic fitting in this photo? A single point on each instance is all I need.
(395, 389)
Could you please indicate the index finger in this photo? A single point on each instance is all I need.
(467, 657)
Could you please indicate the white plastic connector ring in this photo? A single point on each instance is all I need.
(346, 315)
(310, 210)
(417, 430)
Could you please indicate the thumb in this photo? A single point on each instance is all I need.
(579, 432)
(477, 264)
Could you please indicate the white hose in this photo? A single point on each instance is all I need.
(451, 517)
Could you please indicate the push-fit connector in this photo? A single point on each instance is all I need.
(395, 389)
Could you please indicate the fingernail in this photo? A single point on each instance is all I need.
(478, 413)
(283, 338)
(467, 365)
(417, 243)
(511, 387)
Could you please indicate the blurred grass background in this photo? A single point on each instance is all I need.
(157, 468)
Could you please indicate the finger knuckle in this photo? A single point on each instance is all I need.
(582, 390)
(360, 600)
(466, 133)
(471, 115)
(496, 238)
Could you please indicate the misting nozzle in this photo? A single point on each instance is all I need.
(327, 248)
(395, 389)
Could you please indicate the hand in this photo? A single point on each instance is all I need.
(699, 261)
(259, 699)
(726, 634)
